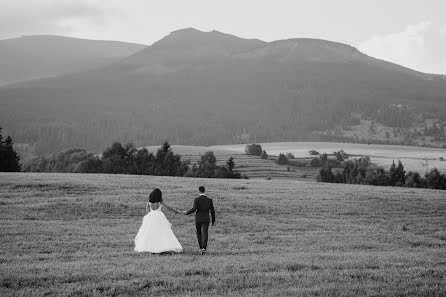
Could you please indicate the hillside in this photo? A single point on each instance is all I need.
(40, 56)
(72, 234)
(207, 88)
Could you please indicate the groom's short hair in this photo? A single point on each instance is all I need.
(201, 189)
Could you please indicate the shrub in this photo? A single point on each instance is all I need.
(313, 152)
(253, 149)
(338, 178)
(207, 167)
(413, 180)
(340, 155)
(282, 159)
(324, 159)
(264, 155)
(435, 180)
(92, 165)
(325, 175)
(377, 177)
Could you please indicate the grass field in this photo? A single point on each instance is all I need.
(72, 235)
(413, 158)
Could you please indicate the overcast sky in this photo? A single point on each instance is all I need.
(408, 32)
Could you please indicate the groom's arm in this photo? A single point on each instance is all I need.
(193, 209)
(212, 213)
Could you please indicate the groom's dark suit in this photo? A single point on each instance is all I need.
(202, 206)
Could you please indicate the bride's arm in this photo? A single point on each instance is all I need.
(170, 208)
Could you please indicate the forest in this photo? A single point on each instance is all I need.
(119, 159)
(143, 128)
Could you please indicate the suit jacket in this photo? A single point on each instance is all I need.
(202, 206)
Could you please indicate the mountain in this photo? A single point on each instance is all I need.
(195, 87)
(31, 57)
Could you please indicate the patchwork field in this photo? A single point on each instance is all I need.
(72, 235)
(413, 158)
(251, 166)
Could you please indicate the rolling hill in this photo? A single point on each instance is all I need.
(39, 56)
(207, 88)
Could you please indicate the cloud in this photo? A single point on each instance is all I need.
(421, 47)
(20, 17)
(90, 19)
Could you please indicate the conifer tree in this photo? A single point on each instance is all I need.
(9, 160)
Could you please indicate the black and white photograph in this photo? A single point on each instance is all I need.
(223, 148)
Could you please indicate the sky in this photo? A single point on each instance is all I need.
(411, 33)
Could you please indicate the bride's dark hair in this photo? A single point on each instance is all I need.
(156, 196)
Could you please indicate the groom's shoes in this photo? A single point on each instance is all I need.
(202, 251)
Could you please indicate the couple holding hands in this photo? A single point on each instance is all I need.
(155, 234)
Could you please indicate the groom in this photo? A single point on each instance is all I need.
(202, 206)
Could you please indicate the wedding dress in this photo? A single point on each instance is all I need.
(155, 234)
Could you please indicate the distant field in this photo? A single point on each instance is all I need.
(72, 235)
(413, 158)
(252, 166)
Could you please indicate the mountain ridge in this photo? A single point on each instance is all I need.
(213, 88)
(39, 56)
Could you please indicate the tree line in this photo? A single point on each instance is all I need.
(284, 120)
(361, 171)
(126, 159)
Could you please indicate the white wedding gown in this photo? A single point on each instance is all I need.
(155, 234)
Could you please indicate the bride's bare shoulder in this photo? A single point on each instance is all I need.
(154, 205)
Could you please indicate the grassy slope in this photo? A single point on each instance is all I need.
(66, 234)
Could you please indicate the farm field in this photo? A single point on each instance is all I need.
(72, 235)
(251, 166)
(413, 158)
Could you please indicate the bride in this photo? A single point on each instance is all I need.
(155, 234)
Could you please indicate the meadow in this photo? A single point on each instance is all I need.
(420, 159)
(72, 235)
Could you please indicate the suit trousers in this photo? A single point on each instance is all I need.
(202, 234)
